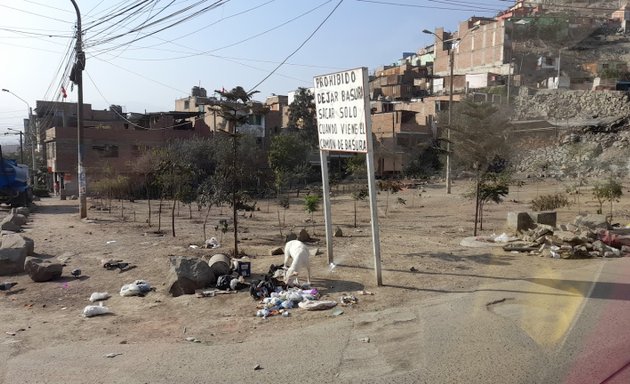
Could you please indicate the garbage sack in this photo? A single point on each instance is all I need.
(98, 296)
(212, 243)
(95, 310)
(316, 305)
(504, 238)
(137, 288)
(223, 282)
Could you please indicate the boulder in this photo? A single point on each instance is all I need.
(290, 236)
(338, 232)
(12, 260)
(18, 241)
(16, 219)
(220, 264)
(592, 221)
(519, 221)
(188, 274)
(304, 236)
(22, 211)
(42, 270)
(7, 224)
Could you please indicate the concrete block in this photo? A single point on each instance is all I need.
(519, 221)
(547, 218)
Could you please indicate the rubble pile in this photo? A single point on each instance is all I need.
(588, 236)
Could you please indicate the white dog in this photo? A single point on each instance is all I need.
(299, 253)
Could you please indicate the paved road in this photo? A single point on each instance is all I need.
(569, 328)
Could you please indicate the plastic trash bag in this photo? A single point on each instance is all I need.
(98, 296)
(212, 243)
(316, 305)
(504, 238)
(95, 310)
(137, 288)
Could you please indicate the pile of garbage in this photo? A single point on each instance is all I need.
(281, 301)
(584, 238)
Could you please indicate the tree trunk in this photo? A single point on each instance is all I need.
(122, 209)
(205, 221)
(477, 204)
(279, 223)
(149, 219)
(190, 211)
(355, 213)
(160, 215)
(173, 217)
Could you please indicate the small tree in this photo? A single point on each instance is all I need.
(311, 204)
(480, 134)
(609, 191)
(389, 186)
(302, 115)
(357, 195)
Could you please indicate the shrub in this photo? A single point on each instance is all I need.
(549, 202)
(41, 192)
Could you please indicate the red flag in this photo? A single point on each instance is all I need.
(63, 92)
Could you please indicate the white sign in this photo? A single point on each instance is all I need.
(340, 99)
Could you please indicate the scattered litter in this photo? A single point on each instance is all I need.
(98, 296)
(316, 305)
(257, 367)
(193, 340)
(110, 242)
(365, 339)
(212, 243)
(76, 272)
(504, 238)
(211, 292)
(193, 246)
(137, 288)
(337, 312)
(348, 300)
(332, 267)
(365, 293)
(10, 333)
(95, 310)
(112, 355)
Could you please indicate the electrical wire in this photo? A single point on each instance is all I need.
(298, 48)
(36, 14)
(427, 6)
(127, 120)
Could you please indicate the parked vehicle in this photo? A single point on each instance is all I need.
(14, 187)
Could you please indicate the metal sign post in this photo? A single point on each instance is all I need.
(343, 125)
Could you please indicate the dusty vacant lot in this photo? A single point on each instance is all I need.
(421, 259)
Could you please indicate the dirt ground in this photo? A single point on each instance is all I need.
(421, 259)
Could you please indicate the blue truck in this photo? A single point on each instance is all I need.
(14, 186)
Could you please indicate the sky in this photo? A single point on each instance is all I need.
(143, 64)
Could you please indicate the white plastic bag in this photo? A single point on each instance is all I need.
(98, 296)
(315, 305)
(137, 288)
(95, 310)
(504, 238)
(212, 243)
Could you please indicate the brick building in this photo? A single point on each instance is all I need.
(110, 139)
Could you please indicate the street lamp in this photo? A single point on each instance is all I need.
(16, 132)
(32, 133)
(451, 61)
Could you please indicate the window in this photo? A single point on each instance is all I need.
(106, 150)
(187, 104)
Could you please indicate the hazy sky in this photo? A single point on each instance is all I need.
(237, 42)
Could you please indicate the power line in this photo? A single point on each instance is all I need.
(427, 6)
(202, 53)
(36, 14)
(298, 48)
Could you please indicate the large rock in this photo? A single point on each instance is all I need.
(22, 211)
(42, 270)
(592, 221)
(188, 274)
(7, 224)
(18, 241)
(12, 260)
(304, 236)
(220, 264)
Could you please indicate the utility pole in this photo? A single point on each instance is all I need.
(21, 148)
(451, 61)
(33, 134)
(77, 78)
